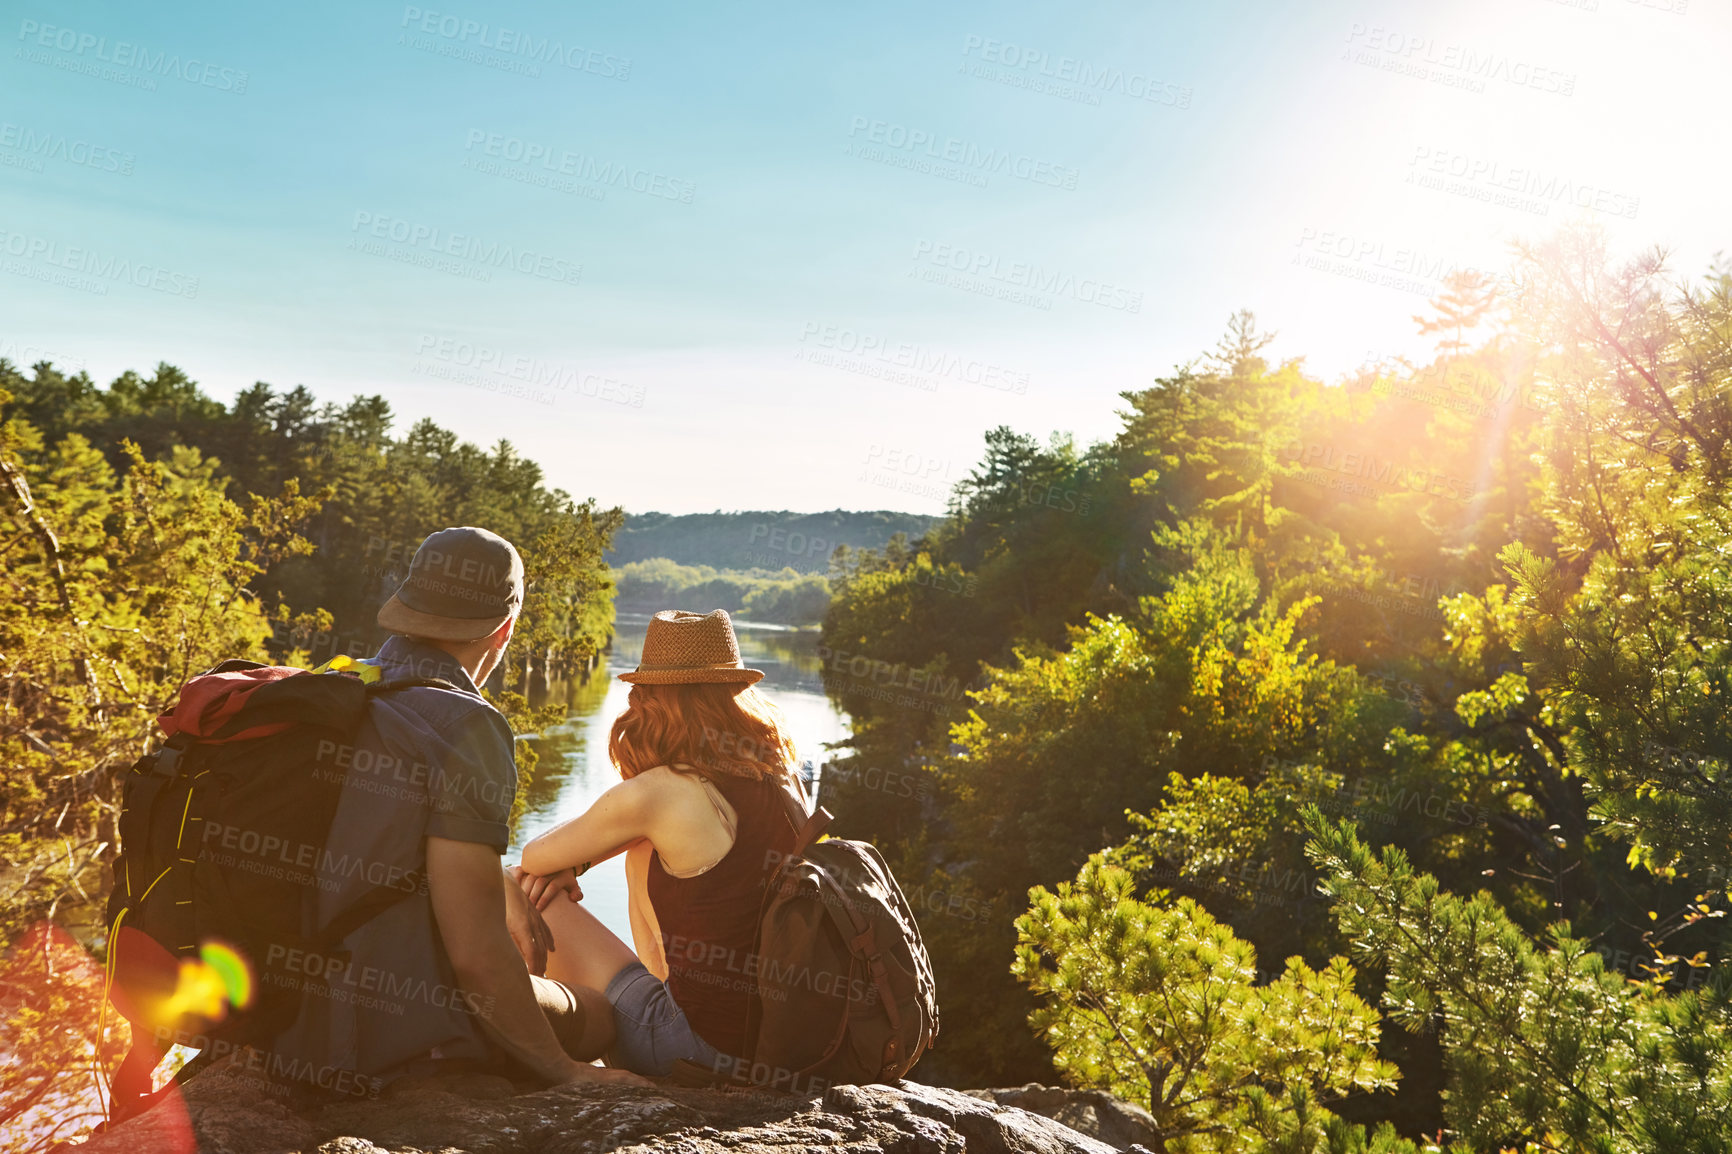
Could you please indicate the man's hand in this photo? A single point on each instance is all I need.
(543, 888)
(528, 931)
(471, 899)
(586, 1074)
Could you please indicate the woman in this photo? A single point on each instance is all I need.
(703, 815)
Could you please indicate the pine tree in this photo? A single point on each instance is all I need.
(1159, 1004)
(1467, 299)
(1545, 1050)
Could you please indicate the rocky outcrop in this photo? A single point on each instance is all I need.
(1093, 1112)
(222, 1113)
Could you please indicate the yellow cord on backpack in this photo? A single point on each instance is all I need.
(103, 1079)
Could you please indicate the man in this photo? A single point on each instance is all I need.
(443, 976)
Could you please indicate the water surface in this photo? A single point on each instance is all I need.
(574, 768)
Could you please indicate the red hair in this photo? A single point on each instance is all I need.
(714, 728)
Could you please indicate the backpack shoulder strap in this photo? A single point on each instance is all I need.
(811, 829)
(807, 828)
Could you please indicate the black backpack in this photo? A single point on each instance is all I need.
(222, 836)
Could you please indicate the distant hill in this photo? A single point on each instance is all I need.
(759, 540)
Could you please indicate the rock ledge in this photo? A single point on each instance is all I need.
(225, 1113)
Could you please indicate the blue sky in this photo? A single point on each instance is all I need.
(694, 257)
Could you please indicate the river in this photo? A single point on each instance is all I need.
(574, 769)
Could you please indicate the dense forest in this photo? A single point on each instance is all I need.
(1322, 766)
(764, 566)
(1326, 767)
(783, 596)
(150, 532)
(770, 539)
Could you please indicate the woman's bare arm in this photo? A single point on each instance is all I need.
(645, 928)
(618, 818)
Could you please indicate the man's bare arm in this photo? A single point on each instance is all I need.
(469, 896)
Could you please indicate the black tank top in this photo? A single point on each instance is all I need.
(709, 923)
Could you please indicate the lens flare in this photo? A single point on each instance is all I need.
(207, 986)
(232, 968)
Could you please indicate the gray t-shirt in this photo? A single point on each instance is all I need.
(427, 762)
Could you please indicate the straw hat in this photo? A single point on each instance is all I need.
(681, 648)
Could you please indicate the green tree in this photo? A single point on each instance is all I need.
(129, 571)
(1623, 626)
(119, 587)
(1159, 1003)
(1544, 1049)
(1468, 297)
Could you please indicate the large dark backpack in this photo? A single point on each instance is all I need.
(222, 838)
(844, 991)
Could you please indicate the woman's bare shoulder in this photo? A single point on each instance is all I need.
(664, 784)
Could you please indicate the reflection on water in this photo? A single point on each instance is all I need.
(574, 768)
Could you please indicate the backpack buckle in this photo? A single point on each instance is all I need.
(167, 759)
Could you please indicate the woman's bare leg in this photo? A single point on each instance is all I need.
(585, 953)
(585, 957)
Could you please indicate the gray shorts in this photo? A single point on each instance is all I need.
(651, 1030)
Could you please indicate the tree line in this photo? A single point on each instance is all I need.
(1343, 766)
(148, 532)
